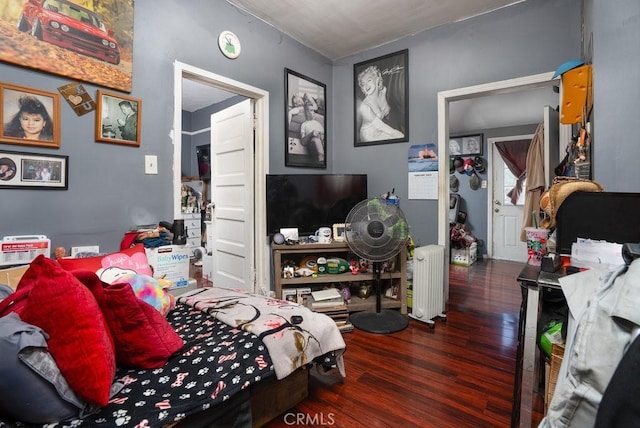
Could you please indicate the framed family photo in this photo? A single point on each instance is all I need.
(381, 101)
(33, 171)
(30, 117)
(466, 145)
(305, 121)
(118, 119)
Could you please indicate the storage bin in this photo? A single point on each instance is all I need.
(464, 256)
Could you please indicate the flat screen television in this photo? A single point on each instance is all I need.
(609, 216)
(310, 201)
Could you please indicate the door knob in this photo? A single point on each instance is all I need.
(497, 210)
(497, 202)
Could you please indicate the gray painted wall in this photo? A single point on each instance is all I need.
(616, 94)
(528, 38)
(109, 192)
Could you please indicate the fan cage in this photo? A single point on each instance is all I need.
(376, 230)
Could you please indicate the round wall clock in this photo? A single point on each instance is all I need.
(229, 44)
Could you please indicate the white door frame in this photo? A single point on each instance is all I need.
(261, 102)
(444, 98)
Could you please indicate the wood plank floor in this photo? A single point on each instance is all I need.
(459, 374)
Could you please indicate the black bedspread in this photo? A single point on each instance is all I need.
(216, 362)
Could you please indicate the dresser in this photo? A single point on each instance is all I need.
(193, 229)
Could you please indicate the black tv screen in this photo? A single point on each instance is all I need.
(309, 201)
(608, 216)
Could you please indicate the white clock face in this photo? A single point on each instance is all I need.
(229, 44)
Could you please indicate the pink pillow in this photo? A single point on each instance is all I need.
(79, 339)
(111, 267)
(143, 338)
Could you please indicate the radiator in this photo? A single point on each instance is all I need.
(429, 289)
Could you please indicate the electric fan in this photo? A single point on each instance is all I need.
(376, 230)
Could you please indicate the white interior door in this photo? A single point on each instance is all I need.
(232, 193)
(506, 217)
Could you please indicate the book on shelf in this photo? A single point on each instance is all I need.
(326, 294)
(328, 303)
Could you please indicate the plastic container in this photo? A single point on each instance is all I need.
(536, 244)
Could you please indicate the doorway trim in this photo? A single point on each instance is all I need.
(261, 152)
(444, 98)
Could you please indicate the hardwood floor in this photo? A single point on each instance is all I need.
(459, 374)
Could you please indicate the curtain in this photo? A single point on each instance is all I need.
(514, 155)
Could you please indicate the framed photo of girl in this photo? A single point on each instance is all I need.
(118, 119)
(381, 101)
(30, 117)
(305, 121)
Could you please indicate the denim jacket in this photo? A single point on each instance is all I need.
(604, 331)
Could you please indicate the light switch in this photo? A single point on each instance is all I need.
(150, 164)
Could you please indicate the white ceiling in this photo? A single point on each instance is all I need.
(339, 28)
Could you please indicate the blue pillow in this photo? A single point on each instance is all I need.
(31, 386)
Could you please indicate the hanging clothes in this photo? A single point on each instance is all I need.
(535, 180)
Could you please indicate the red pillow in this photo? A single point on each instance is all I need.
(79, 340)
(109, 268)
(143, 338)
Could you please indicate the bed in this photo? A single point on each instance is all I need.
(245, 360)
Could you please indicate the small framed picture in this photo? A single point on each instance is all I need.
(30, 117)
(466, 145)
(338, 232)
(118, 119)
(305, 121)
(33, 171)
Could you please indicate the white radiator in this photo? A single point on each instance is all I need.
(429, 289)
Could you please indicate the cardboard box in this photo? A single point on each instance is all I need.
(21, 250)
(170, 262)
(11, 276)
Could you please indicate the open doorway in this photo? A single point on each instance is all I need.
(260, 99)
(444, 99)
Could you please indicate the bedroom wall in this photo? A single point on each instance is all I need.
(528, 38)
(108, 190)
(616, 93)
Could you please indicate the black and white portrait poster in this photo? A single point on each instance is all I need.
(381, 100)
(305, 121)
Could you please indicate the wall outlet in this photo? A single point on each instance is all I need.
(86, 249)
(483, 184)
(150, 164)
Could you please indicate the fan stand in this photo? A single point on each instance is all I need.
(382, 321)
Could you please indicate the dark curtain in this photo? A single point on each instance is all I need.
(514, 155)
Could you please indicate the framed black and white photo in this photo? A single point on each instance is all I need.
(118, 119)
(466, 145)
(33, 171)
(381, 100)
(305, 121)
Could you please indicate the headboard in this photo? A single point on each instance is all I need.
(606, 216)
